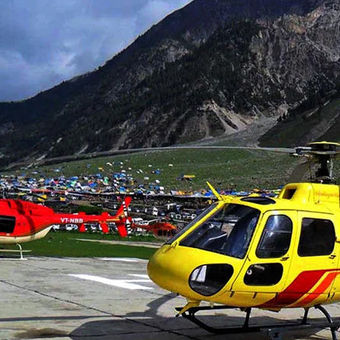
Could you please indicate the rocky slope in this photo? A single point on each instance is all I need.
(210, 69)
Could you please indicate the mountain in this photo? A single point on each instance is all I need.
(210, 69)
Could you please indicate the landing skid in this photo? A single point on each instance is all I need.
(274, 331)
(20, 250)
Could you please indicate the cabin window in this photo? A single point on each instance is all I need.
(227, 232)
(276, 236)
(7, 224)
(263, 274)
(317, 237)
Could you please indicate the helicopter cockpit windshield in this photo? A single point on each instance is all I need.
(227, 232)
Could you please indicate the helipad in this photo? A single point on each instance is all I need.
(109, 298)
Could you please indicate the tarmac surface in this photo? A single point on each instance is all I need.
(112, 298)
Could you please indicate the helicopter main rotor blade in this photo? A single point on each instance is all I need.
(299, 171)
(318, 148)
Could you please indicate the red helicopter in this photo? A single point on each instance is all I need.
(160, 229)
(22, 221)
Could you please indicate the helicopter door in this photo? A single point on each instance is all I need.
(313, 269)
(269, 259)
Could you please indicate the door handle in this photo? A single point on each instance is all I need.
(332, 256)
(285, 258)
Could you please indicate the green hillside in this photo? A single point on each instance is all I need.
(311, 125)
(240, 169)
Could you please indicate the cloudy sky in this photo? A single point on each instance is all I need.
(43, 42)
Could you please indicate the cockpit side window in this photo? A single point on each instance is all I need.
(276, 237)
(227, 232)
(7, 224)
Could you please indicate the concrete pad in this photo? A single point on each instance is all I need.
(93, 298)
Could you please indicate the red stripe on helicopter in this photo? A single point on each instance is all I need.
(303, 283)
(319, 290)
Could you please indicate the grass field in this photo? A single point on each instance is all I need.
(65, 244)
(240, 169)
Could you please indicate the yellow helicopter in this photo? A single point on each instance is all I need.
(261, 252)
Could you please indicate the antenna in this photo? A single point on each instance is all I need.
(214, 191)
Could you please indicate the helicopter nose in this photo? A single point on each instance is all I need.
(181, 271)
(164, 271)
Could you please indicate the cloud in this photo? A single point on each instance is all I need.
(44, 42)
(155, 9)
